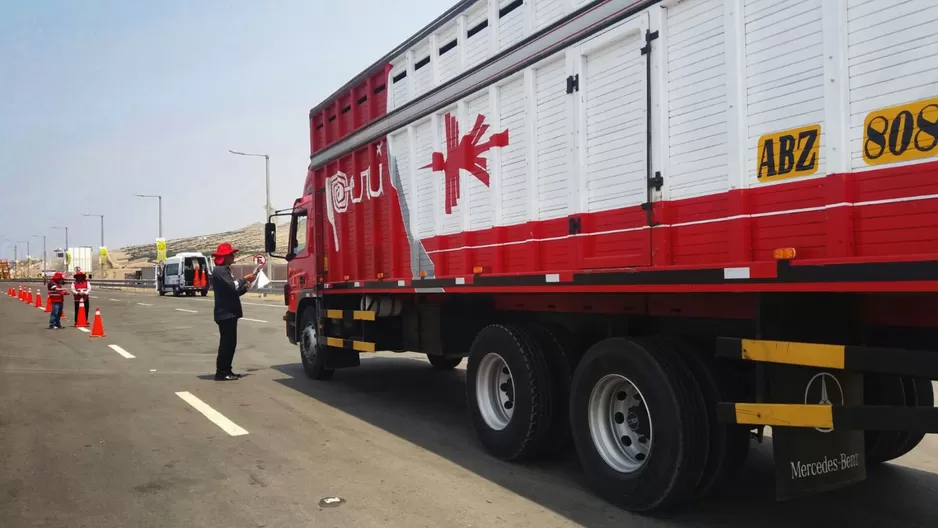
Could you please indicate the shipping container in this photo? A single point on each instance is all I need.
(722, 214)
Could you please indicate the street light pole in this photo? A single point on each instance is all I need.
(158, 197)
(66, 244)
(43, 250)
(267, 186)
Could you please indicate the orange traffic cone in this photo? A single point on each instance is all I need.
(48, 304)
(38, 300)
(29, 296)
(82, 318)
(97, 329)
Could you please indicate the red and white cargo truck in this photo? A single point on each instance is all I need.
(653, 227)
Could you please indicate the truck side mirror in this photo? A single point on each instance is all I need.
(270, 237)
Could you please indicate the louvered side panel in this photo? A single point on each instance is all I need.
(547, 11)
(423, 70)
(552, 125)
(784, 71)
(697, 105)
(401, 167)
(478, 28)
(891, 55)
(426, 186)
(449, 53)
(481, 209)
(400, 86)
(511, 26)
(513, 158)
(613, 113)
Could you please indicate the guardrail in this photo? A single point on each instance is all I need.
(275, 287)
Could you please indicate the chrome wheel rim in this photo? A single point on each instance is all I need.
(620, 423)
(308, 343)
(495, 391)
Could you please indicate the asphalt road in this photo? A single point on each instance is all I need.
(92, 438)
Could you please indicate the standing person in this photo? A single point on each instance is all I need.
(228, 292)
(57, 293)
(81, 290)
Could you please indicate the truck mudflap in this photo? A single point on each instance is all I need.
(812, 395)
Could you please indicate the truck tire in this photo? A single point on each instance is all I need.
(639, 424)
(883, 390)
(176, 291)
(443, 362)
(918, 393)
(311, 353)
(561, 356)
(204, 293)
(729, 444)
(508, 392)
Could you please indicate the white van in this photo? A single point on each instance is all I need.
(178, 274)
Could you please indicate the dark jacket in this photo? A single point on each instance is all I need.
(227, 293)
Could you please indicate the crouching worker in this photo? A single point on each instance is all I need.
(81, 290)
(57, 293)
(228, 292)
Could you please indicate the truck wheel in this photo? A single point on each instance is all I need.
(729, 444)
(443, 362)
(883, 390)
(204, 293)
(508, 391)
(639, 424)
(176, 292)
(918, 393)
(561, 356)
(311, 353)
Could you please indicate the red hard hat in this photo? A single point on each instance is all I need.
(58, 276)
(224, 249)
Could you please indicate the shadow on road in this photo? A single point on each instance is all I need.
(408, 399)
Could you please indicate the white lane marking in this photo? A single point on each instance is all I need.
(85, 330)
(122, 352)
(255, 320)
(184, 310)
(216, 417)
(116, 300)
(152, 370)
(144, 304)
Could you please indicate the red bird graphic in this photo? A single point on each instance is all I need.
(464, 153)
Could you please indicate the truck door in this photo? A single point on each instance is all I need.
(610, 82)
(302, 269)
(322, 266)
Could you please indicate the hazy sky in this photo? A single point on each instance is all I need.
(100, 100)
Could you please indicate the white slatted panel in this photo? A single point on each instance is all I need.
(697, 132)
(511, 27)
(513, 168)
(891, 56)
(426, 180)
(399, 151)
(400, 90)
(614, 99)
(547, 11)
(423, 78)
(784, 71)
(452, 222)
(552, 125)
(477, 46)
(449, 61)
(481, 210)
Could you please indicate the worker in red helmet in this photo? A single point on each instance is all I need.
(81, 292)
(228, 292)
(57, 293)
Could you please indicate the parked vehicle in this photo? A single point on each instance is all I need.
(178, 275)
(653, 228)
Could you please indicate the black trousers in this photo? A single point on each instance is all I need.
(87, 310)
(227, 342)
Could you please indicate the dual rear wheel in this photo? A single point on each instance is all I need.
(640, 412)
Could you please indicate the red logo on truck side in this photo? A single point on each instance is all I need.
(464, 153)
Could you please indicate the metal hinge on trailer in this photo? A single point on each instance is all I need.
(649, 36)
(656, 181)
(573, 83)
(843, 358)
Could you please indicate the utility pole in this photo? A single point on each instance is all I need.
(66, 244)
(267, 177)
(43, 251)
(158, 197)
